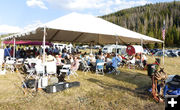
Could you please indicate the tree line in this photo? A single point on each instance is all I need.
(149, 19)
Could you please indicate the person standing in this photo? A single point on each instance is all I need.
(7, 51)
(99, 52)
(12, 51)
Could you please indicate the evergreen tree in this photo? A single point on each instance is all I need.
(148, 20)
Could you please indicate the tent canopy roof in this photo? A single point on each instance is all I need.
(83, 28)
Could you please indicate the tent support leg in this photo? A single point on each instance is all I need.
(142, 47)
(2, 44)
(44, 40)
(163, 53)
(91, 49)
(116, 44)
(14, 49)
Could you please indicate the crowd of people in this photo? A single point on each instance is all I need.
(32, 52)
(111, 60)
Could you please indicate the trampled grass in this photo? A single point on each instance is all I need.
(126, 91)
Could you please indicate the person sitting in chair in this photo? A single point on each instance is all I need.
(75, 64)
(99, 60)
(50, 58)
(114, 64)
(144, 59)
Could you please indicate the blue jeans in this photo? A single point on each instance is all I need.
(109, 67)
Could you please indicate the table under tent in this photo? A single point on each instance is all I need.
(81, 28)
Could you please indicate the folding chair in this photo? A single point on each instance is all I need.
(73, 71)
(39, 69)
(100, 68)
(2, 71)
(7, 58)
(131, 63)
(51, 68)
(29, 70)
(117, 72)
(86, 67)
(65, 69)
(10, 64)
(19, 63)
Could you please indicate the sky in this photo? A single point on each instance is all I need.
(19, 15)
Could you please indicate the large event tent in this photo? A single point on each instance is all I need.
(83, 28)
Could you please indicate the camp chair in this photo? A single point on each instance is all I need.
(65, 69)
(172, 86)
(100, 68)
(86, 67)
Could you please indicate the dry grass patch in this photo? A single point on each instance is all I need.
(126, 91)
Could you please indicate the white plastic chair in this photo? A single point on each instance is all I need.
(73, 71)
(132, 63)
(65, 69)
(30, 71)
(51, 68)
(7, 58)
(2, 72)
(10, 62)
(39, 68)
(100, 68)
(19, 61)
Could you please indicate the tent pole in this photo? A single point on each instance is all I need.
(91, 48)
(143, 49)
(163, 53)
(70, 51)
(116, 44)
(14, 48)
(44, 39)
(163, 40)
(2, 44)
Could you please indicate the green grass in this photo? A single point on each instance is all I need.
(126, 91)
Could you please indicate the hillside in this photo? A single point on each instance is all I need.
(148, 20)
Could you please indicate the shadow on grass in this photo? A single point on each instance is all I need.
(134, 77)
(142, 82)
(139, 93)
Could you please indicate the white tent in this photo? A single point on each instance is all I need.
(80, 28)
(83, 28)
